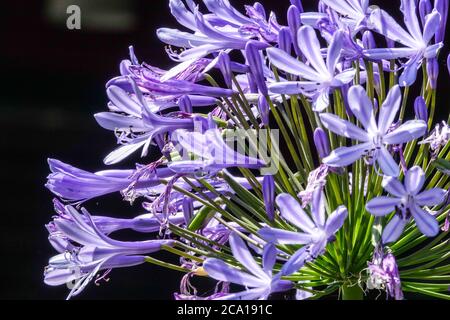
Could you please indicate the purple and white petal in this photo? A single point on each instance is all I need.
(381, 206)
(426, 223)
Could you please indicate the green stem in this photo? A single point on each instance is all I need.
(351, 292)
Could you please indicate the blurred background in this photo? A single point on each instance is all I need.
(53, 81)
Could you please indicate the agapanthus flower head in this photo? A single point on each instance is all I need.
(375, 136)
(406, 201)
(247, 177)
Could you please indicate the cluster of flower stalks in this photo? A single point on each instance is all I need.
(303, 159)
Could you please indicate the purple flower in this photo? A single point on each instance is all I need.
(432, 72)
(316, 179)
(260, 282)
(145, 223)
(384, 275)
(415, 40)
(438, 138)
(224, 28)
(78, 185)
(214, 154)
(319, 77)
(73, 184)
(138, 127)
(407, 201)
(315, 233)
(95, 252)
(354, 12)
(375, 137)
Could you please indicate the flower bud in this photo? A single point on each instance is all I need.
(185, 105)
(264, 109)
(442, 7)
(293, 18)
(255, 62)
(433, 72)
(225, 67)
(420, 109)
(321, 142)
(284, 40)
(368, 40)
(298, 5)
(424, 9)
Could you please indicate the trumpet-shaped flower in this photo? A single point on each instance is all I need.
(319, 77)
(416, 42)
(96, 252)
(375, 137)
(315, 233)
(407, 201)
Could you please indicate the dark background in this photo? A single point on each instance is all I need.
(52, 82)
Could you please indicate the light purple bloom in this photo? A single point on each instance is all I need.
(319, 77)
(416, 41)
(384, 275)
(432, 72)
(316, 179)
(138, 127)
(353, 12)
(374, 137)
(407, 201)
(315, 233)
(73, 184)
(214, 154)
(438, 138)
(260, 282)
(224, 28)
(96, 252)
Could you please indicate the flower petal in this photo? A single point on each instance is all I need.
(343, 127)
(334, 51)
(393, 186)
(432, 23)
(426, 223)
(310, 47)
(296, 261)
(243, 255)
(221, 271)
(408, 131)
(414, 180)
(389, 109)
(344, 156)
(381, 206)
(386, 25)
(362, 107)
(430, 197)
(269, 258)
(387, 163)
(289, 64)
(393, 230)
(280, 236)
(408, 9)
(318, 207)
(336, 220)
(291, 210)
